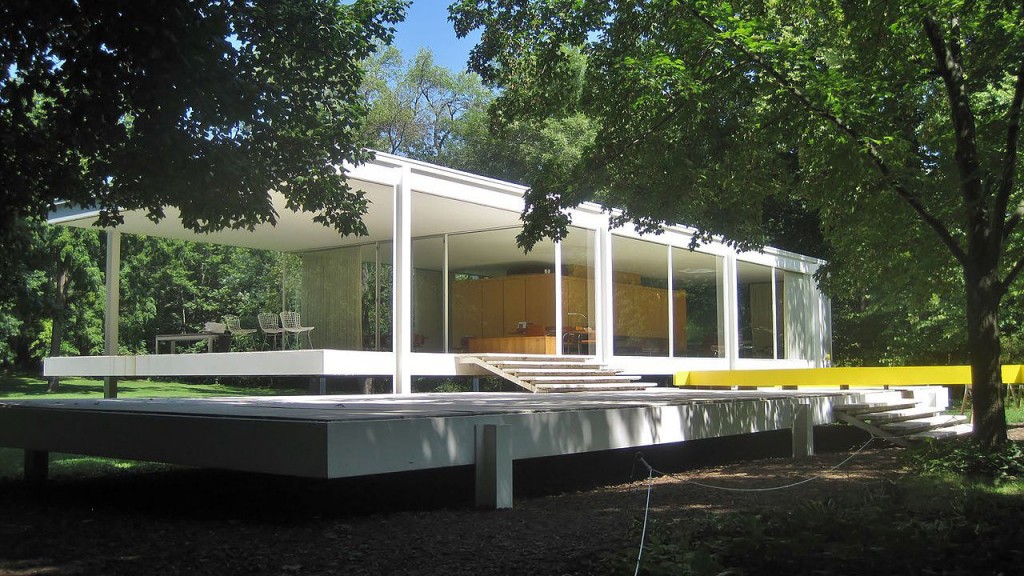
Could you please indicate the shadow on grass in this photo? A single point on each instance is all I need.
(24, 386)
(13, 387)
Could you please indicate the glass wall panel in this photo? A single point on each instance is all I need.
(428, 294)
(500, 300)
(332, 297)
(803, 338)
(578, 292)
(698, 307)
(376, 296)
(756, 310)
(640, 297)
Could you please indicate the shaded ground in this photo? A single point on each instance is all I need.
(198, 522)
(205, 522)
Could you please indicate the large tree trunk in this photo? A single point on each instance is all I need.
(983, 297)
(60, 303)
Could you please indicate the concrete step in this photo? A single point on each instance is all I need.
(555, 374)
(534, 358)
(517, 364)
(909, 427)
(874, 407)
(878, 418)
(606, 387)
(580, 379)
(561, 371)
(963, 429)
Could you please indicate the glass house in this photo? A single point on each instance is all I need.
(439, 277)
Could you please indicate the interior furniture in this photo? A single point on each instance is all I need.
(514, 345)
(270, 325)
(291, 323)
(488, 308)
(173, 339)
(234, 326)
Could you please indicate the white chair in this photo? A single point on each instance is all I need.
(292, 324)
(235, 327)
(270, 326)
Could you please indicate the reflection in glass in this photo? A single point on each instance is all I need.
(698, 305)
(579, 313)
(640, 297)
(428, 294)
(500, 300)
(756, 312)
(377, 297)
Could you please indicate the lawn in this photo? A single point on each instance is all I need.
(20, 387)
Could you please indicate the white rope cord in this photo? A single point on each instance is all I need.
(768, 489)
(651, 471)
(647, 509)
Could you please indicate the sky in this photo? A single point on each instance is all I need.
(426, 25)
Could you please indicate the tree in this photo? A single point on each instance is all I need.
(147, 104)
(171, 286)
(906, 113)
(419, 109)
(53, 298)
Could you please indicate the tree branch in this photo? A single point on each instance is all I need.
(1010, 160)
(964, 131)
(869, 147)
(1011, 277)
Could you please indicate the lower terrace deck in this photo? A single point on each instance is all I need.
(345, 436)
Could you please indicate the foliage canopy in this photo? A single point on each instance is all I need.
(899, 122)
(148, 104)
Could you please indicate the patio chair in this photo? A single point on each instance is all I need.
(270, 326)
(235, 327)
(292, 324)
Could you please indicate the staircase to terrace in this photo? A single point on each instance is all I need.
(899, 418)
(545, 374)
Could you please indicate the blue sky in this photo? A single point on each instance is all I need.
(426, 25)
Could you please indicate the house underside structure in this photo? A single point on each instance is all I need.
(438, 287)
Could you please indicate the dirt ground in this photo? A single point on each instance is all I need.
(200, 522)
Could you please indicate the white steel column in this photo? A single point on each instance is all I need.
(558, 300)
(401, 317)
(113, 307)
(671, 306)
(445, 298)
(775, 318)
(731, 316)
(605, 322)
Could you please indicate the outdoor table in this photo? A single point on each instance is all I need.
(175, 338)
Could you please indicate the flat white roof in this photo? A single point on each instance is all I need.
(444, 201)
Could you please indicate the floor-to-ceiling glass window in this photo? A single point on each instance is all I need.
(428, 294)
(500, 300)
(756, 310)
(805, 338)
(331, 297)
(579, 312)
(698, 304)
(640, 297)
(780, 314)
(376, 296)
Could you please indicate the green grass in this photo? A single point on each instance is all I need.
(1014, 414)
(74, 465)
(19, 387)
